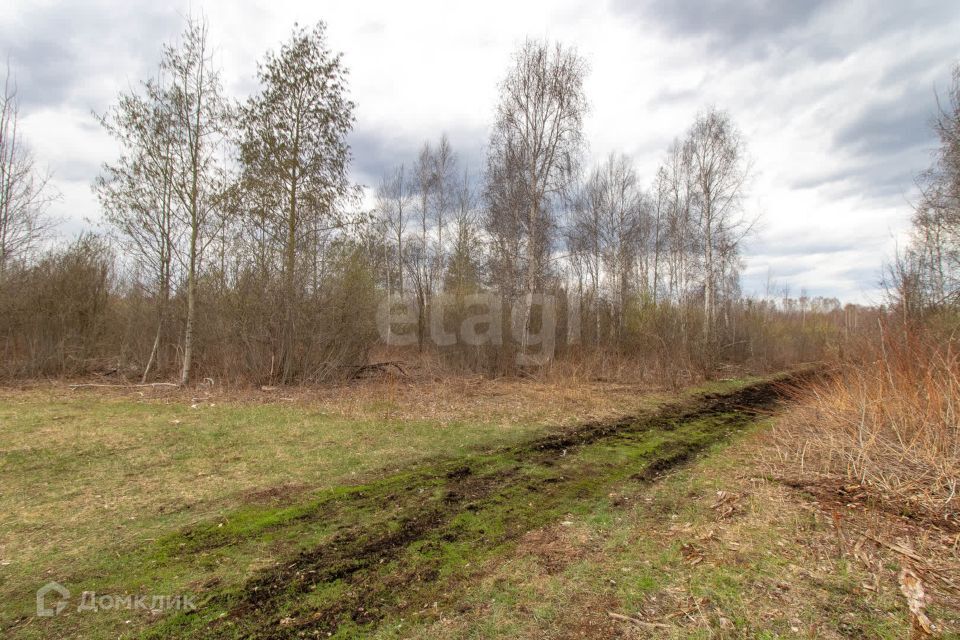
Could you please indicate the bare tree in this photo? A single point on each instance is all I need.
(200, 119)
(716, 157)
(463, 272)
(420, 256)
(533, 153)
(660, 209)
(394, 200)
(608, 233)
(24, 189)
(935, 250)
(679, 235)
(444, 171)
(585, 242)
(136, 191)
(625, 226)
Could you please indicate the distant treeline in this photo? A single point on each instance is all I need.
(238, 249)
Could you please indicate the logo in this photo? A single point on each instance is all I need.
(50, 592)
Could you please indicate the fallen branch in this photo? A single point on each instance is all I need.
(922, 562)
(895, 547)
(378, 366)
(124, 386)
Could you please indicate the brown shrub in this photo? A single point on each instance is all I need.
(888, 419)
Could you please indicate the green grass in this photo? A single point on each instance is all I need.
(85, 478)
(141, 497)
(518, 492)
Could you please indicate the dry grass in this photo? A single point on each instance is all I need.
(559, 400)
(888, 421)
(714, 550)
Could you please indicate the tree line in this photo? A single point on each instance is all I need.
(238, 248)
(924, 277)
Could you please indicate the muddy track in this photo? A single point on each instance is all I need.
(382, 567)
(750, 400)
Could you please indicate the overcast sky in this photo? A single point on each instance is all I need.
(834, 98)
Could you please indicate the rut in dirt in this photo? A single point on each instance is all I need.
(416, 555)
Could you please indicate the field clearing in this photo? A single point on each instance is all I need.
(388, 510)
(96, 472)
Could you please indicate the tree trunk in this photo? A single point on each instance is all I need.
(161, 313)
(531, 277)
(287, 347)
(708, 289)
(191, 310)
(153, 352)
(191, 278)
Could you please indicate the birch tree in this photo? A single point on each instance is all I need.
(463, 273)
(136, 192)
(608, 235)
(24, 189)
(533, 154)
(936, 222)
(716, 159)
(393, 206)
(444, 196)
(420, 255)
(295, 148)
(624, 229)
(200, 119)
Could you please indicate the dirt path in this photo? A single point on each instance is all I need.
(407, 541)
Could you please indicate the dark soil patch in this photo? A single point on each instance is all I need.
(411, 549)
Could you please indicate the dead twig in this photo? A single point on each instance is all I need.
(637, 621)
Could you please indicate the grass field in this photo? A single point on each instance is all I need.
(92, 473)
(411, 511)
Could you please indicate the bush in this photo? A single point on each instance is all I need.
(889, 419)
(53, 315)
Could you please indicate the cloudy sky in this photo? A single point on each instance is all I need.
(834, 98)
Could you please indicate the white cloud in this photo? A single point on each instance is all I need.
(812, 91)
